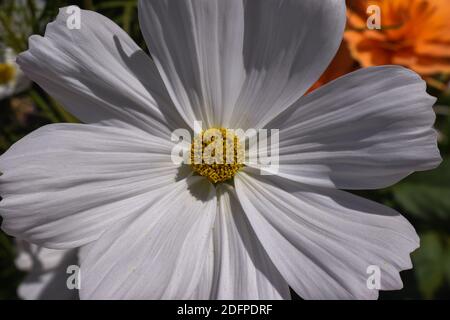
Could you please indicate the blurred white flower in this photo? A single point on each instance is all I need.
(46, 272)
(12, 79)
(151, 229)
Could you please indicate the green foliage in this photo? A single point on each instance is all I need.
(426, 196)
(10, 277)
(431, 263)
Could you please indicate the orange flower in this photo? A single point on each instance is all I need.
(415, 33)
(342, 64)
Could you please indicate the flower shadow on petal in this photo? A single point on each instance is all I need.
(256, 252)
(153, 83)
(184, 171)
(199, 189)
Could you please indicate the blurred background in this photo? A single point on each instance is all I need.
(414, 33)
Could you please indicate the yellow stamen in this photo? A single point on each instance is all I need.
(217, 154)
(7, 73)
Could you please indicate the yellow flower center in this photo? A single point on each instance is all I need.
(217, 154)
(7, 73)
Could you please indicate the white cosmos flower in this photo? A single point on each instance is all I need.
(47, 272)
(146, 227)
(12, 79)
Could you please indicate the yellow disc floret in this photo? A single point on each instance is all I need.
(7, 73)
(217, 154)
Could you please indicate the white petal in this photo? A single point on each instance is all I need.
(322, 240)
(197, 46)
(366, 130)
(63, 185)
(19, 83)
(5, 92)
(99, 74)
(158, 255)
(208, 276)
(240, 62)
(243, 269)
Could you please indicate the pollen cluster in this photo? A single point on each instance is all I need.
(217, 154)
(7, 73)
